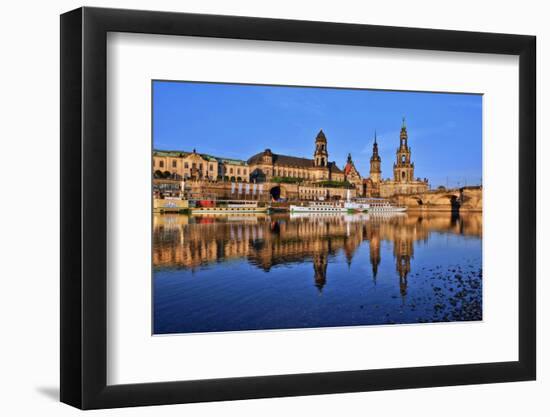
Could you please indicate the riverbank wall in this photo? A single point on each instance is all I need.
(466, 199)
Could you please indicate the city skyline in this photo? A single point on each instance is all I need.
(238, 121)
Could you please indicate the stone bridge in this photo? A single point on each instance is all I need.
(465, 199)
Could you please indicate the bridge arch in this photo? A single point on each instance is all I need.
(278, 192)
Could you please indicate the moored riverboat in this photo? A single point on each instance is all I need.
(347, 206)
(228, 207)
(319, 207)
(382, 205)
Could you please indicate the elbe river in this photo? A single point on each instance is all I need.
(258, 272)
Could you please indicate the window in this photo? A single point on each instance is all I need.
(186, 165)
(161, 164)
(402, 158)
(194, 166)
(238, 171)
(231, 170)
(174, 163)
(211, 167)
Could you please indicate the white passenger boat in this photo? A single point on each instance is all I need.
(319, 207)
(228, 207)
(381, 205)
(347, 206)
(356, 206)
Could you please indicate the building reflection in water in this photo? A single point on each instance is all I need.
(267, 241)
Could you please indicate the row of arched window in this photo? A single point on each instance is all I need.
(200, 166)
(280, 172)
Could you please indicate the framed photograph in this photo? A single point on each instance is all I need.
(256, 208)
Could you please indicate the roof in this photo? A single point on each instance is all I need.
(283, 160)
(231, 161)
(321, 136)
(347, 168)
(291, 161)
(177, 154)
(334, 168)
(173, 154)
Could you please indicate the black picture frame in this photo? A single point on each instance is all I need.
(84, 207)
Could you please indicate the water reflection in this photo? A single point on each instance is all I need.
(224, 273)
(266, 241)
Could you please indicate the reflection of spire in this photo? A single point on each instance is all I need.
(374, 251)
(403, 251)
(349, 258)
(320, 263)
(403, 267)
(350, 245)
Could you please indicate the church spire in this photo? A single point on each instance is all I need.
(375, 162)
(375, 156)
(403, 136)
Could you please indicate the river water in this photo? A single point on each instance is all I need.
(255, 272)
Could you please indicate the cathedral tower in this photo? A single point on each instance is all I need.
(375, 161)
(403, 169)
(321, 154)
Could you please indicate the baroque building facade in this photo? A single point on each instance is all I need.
(266, 165)
(351, 174)
(403, 181)
(193, 165)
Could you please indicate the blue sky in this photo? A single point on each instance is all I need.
(238, 121)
